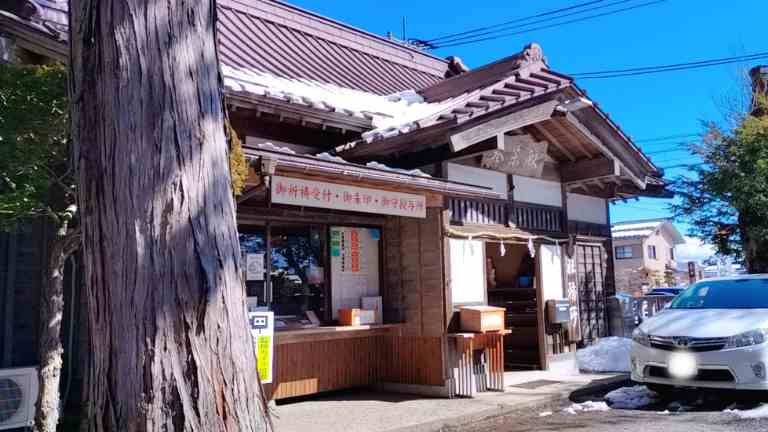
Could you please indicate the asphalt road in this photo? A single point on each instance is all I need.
(689, 411)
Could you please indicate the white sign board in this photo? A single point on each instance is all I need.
(467, 271)
(310, 193)
(354, 266)
(254, 266)
(263, 332)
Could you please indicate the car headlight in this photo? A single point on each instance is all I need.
(640, 337)
(754, 337)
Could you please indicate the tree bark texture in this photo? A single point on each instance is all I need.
(171, 349)
(51, 315)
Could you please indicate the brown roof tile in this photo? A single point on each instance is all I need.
(289, 42)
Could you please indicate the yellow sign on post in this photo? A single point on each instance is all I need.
(263, 331)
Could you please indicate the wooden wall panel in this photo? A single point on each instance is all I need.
(415, 283)
(307, 368)
(312, 367)
(414, 360)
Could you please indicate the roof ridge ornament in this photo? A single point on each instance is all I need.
(531, 54)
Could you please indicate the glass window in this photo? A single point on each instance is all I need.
(253, 245)
(297, 275)
(724, 294)
(652, 252)
(623, 252)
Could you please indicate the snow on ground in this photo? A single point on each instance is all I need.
(631, 397)
(757, 413)
(610, 354)
(588, 406)
(545, 414)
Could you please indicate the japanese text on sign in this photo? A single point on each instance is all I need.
(310, 193)
(263, 332)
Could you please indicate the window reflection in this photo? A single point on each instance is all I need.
(297, 276)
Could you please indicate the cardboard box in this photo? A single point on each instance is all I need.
(375, 304)
(482, 319)
(356, 317)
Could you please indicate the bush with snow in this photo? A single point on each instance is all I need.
(631, 397)
(610, 354)
(757, 413)
(588, 406)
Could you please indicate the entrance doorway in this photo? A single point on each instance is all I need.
(511, 281)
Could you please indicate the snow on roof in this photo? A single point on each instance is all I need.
(631, 226)
(631, 233)
(646, 228)
(331, 158)
(635, 229)
(393, 113)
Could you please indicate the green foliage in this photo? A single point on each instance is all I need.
(33, 141)
(238, 164)
(726, 201)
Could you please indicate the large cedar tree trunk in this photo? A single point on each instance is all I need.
(51, 316)
(171, 349)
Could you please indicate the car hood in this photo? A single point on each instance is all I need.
(705, 322)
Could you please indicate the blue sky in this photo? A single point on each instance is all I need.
(645, 106)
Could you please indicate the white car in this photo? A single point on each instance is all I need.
(713, 335)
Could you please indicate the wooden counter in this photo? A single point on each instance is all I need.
(309, 361)
(283, 337)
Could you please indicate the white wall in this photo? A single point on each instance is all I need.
(585, 208)
(477, 176)
(536, 191)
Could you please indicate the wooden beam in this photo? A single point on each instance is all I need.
(574, 140)
(505, 92)
(491, 128)
(552, 140)
(519, 87)
(603, 149)
(588, 169)
(494, 99)
(478, 104)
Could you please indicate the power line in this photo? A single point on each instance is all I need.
(575, 20)
(676, 150)
(664, 138)
(517, 20)
(616, 73)
(506, 26)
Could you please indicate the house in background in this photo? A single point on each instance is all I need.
(644, 254)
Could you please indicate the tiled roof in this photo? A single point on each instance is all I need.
(383, 112)
(482, 91)
(285, 41)
(288, 42)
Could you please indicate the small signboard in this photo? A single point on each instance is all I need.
(263, 331)
(310, 193)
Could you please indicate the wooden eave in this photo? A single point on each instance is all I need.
(34, 39)
(302, 112)
(354, 174)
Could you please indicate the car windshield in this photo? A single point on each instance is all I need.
(724, 294)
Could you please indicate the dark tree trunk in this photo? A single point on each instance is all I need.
(51, 315)
(171, 349)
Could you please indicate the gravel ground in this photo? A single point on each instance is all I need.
(700, 412)
(618, 421)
